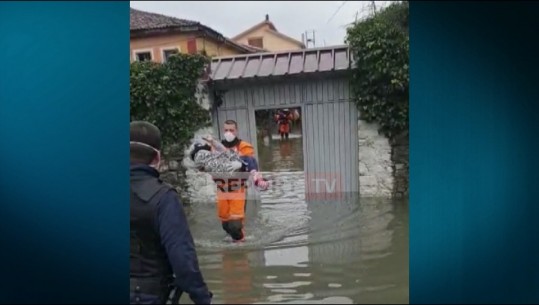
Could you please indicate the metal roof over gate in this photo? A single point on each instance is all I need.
(326, 59)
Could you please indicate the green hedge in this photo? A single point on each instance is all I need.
(380, 46)
(164, 94)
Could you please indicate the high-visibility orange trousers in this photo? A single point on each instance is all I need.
(231, 212)
(284, 128)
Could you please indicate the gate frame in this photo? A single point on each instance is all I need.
(252, 124)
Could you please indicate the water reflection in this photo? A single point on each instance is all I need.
(237, 288)
(278, 155)
(346, 252)
(293, 257)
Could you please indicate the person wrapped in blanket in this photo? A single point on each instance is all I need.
(212, 157)
(230, 163)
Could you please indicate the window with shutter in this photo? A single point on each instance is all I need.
(192, 46)
(256, 42)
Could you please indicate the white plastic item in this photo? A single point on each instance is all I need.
(217, 145)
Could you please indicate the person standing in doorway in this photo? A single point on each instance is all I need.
(162, 255)
(284, 119)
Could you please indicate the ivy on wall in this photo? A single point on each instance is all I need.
(164, 94)
(380, 47)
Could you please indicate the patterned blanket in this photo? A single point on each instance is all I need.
(224, 163)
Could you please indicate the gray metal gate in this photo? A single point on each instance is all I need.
(241, 116)
(329, 119)
(330, 143)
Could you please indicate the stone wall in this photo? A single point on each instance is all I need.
(172, 171)
(383, 163)
(375, 165)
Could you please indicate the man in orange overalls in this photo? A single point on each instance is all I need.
(231, 195)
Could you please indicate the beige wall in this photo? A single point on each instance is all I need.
(271, 41)
(214, 49)
(157, 44)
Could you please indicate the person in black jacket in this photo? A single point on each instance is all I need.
(163, 256)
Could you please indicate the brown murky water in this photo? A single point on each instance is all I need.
(349, 251)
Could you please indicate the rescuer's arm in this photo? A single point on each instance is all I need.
(250, 163)
(252, 167)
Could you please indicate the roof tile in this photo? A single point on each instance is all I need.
(140, 20)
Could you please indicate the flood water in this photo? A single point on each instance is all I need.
(343, 251)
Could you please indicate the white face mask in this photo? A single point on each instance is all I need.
(229, 137)
(155, 164)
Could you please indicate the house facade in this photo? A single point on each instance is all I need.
(264, 36)
(155, 37)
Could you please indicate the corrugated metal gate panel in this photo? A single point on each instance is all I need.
(330, 140)
(241, 116)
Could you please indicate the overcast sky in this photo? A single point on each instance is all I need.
(327, 18)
